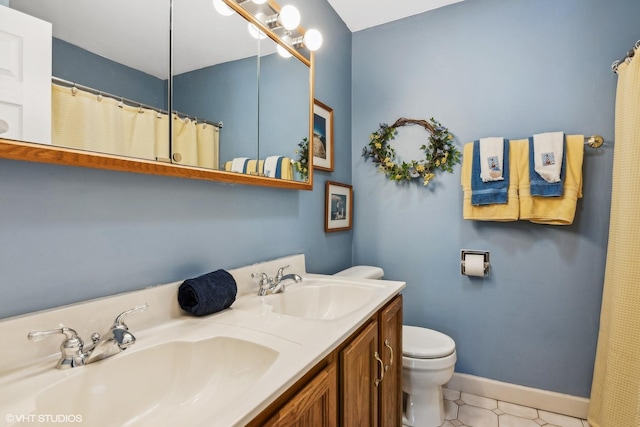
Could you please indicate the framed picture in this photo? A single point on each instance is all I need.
(322, 136)
(338, 211)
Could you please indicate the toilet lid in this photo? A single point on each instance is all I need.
(423, 343)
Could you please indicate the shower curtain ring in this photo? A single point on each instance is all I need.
(614, 66)
(74, 90)
(121, 103)
(99, 96)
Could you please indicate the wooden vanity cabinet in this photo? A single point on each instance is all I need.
(371, 372)
(359, 370)
(314, 405)
(390, 343)
(358, 384)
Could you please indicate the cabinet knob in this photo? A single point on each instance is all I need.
(379, 380)
(388, 345)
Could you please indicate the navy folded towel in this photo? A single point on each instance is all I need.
(208, 293)
(540, 187)
(490, 192)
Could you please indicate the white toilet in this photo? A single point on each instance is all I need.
(428, 359)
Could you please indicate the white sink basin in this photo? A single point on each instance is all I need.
(321, 300)
(220, 370)
(146, 387)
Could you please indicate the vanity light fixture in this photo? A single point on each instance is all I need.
(287, 19)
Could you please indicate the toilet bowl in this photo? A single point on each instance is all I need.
(428, 360)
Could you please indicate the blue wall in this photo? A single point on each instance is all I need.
(487, 68)
(278, 72)
(69, 234)
(80, 66)
(228, 93)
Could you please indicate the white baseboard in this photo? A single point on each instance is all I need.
(550, 401)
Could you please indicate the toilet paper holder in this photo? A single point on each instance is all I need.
(484, 254)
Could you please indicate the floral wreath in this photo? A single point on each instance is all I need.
(440, 153)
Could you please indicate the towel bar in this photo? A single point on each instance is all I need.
(594, 141)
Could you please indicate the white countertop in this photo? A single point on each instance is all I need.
(28, 368)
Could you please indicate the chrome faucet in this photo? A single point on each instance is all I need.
(73, 353)
(275, 284)
(117, 339)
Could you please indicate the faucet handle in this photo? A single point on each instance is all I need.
(119, 322)
(71, 347)
(281, 272)
(265, 280)
(40, 335)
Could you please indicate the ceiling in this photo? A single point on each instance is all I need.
(361, 14)
(136, 33)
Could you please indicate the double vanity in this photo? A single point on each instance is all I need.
(326, 350)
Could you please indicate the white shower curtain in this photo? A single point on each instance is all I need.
(195, 144)
(87, 121)
(615, 393)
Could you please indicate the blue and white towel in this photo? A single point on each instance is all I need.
(490, 192)
(548, 150)
(491, 159)
(273, 166)
(547, 164)
(239, 164)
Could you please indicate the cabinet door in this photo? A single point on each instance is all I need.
(314, 405)
(25, 77)
(359, 371)
(390, 393)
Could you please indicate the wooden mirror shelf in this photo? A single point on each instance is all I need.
(40, 153)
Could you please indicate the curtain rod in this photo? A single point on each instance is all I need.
(627, 58)
(129, 102)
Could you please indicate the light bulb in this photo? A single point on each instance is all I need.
(259, 1)
(222, 8)
(283, 52)
(289, 17)
(312, 39)
(256, 33)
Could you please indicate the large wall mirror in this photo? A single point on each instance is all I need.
(238, 108)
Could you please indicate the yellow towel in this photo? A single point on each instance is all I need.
(498, 212)
(551, 210)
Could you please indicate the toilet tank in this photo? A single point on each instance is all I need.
(362, 272)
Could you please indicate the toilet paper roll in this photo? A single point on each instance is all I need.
(474, 265)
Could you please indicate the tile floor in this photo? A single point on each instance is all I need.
(469, 410)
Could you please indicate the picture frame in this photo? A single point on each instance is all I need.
(338, 212)
(322, 136)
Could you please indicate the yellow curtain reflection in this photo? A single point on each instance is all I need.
(87, 121)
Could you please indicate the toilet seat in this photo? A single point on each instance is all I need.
(423, 343)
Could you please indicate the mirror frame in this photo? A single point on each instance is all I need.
(43, 153)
